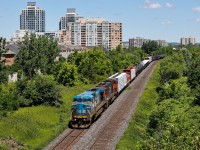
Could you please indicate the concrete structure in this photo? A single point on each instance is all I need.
(77, 31)
(12, 77)
(32, 18)
(186, 40)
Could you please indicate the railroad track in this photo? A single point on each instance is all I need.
(69, 140)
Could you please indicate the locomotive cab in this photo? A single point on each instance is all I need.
(81, 109)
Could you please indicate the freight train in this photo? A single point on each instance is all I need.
(87, 106)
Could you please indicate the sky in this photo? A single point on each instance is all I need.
(152, 19)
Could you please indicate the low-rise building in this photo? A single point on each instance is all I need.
(68, 49)
(138, 42)
(8, 57)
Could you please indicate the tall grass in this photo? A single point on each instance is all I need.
(136, 128)
(35, 127)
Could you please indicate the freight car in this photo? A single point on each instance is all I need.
(87, 106)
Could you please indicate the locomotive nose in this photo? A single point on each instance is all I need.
(81, 108)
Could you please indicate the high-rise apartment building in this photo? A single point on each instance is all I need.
(191, 40)
(32, 18)
(186, 41)
(71, 16)
(89, 31)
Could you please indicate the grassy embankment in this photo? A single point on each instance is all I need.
(136, 128)
(35, 127)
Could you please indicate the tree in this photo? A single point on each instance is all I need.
(194, 77)
(119, 48)
(42, 89)
(150, 46)
(67, 75)
(95, 65)
(36, 54)
(194, 72)
(3, 69)
(174, 124)
(171, 68)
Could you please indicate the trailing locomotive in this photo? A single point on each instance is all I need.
(87, 106)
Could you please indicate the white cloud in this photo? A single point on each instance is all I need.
(198, 20)
(196, 9)
(152, 5)
(155, 6)
(166, 22)
(168, 5)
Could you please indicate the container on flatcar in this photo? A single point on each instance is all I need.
(131, 70)
(121, 81)
(139, 67)
(149, 58)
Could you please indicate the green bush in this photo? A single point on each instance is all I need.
(42, 89)
(67, 75)
(171, 69)
(9, 98)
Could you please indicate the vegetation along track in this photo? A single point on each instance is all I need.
(106, 131)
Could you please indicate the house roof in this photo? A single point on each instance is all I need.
(9, 52)
(13, 47)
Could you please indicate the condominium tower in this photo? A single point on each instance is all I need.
(90, 31)
(70, 16)
(32, 18)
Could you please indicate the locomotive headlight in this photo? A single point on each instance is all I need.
(74, 119)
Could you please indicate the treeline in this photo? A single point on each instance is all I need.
(175, 123)
(41, 76)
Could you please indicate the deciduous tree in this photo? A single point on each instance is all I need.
(36, 53)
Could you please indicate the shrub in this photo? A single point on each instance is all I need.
(42, 89)
(9, 98)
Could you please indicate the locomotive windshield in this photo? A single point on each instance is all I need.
(76, 100)
(87, 100)
(82, 100)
